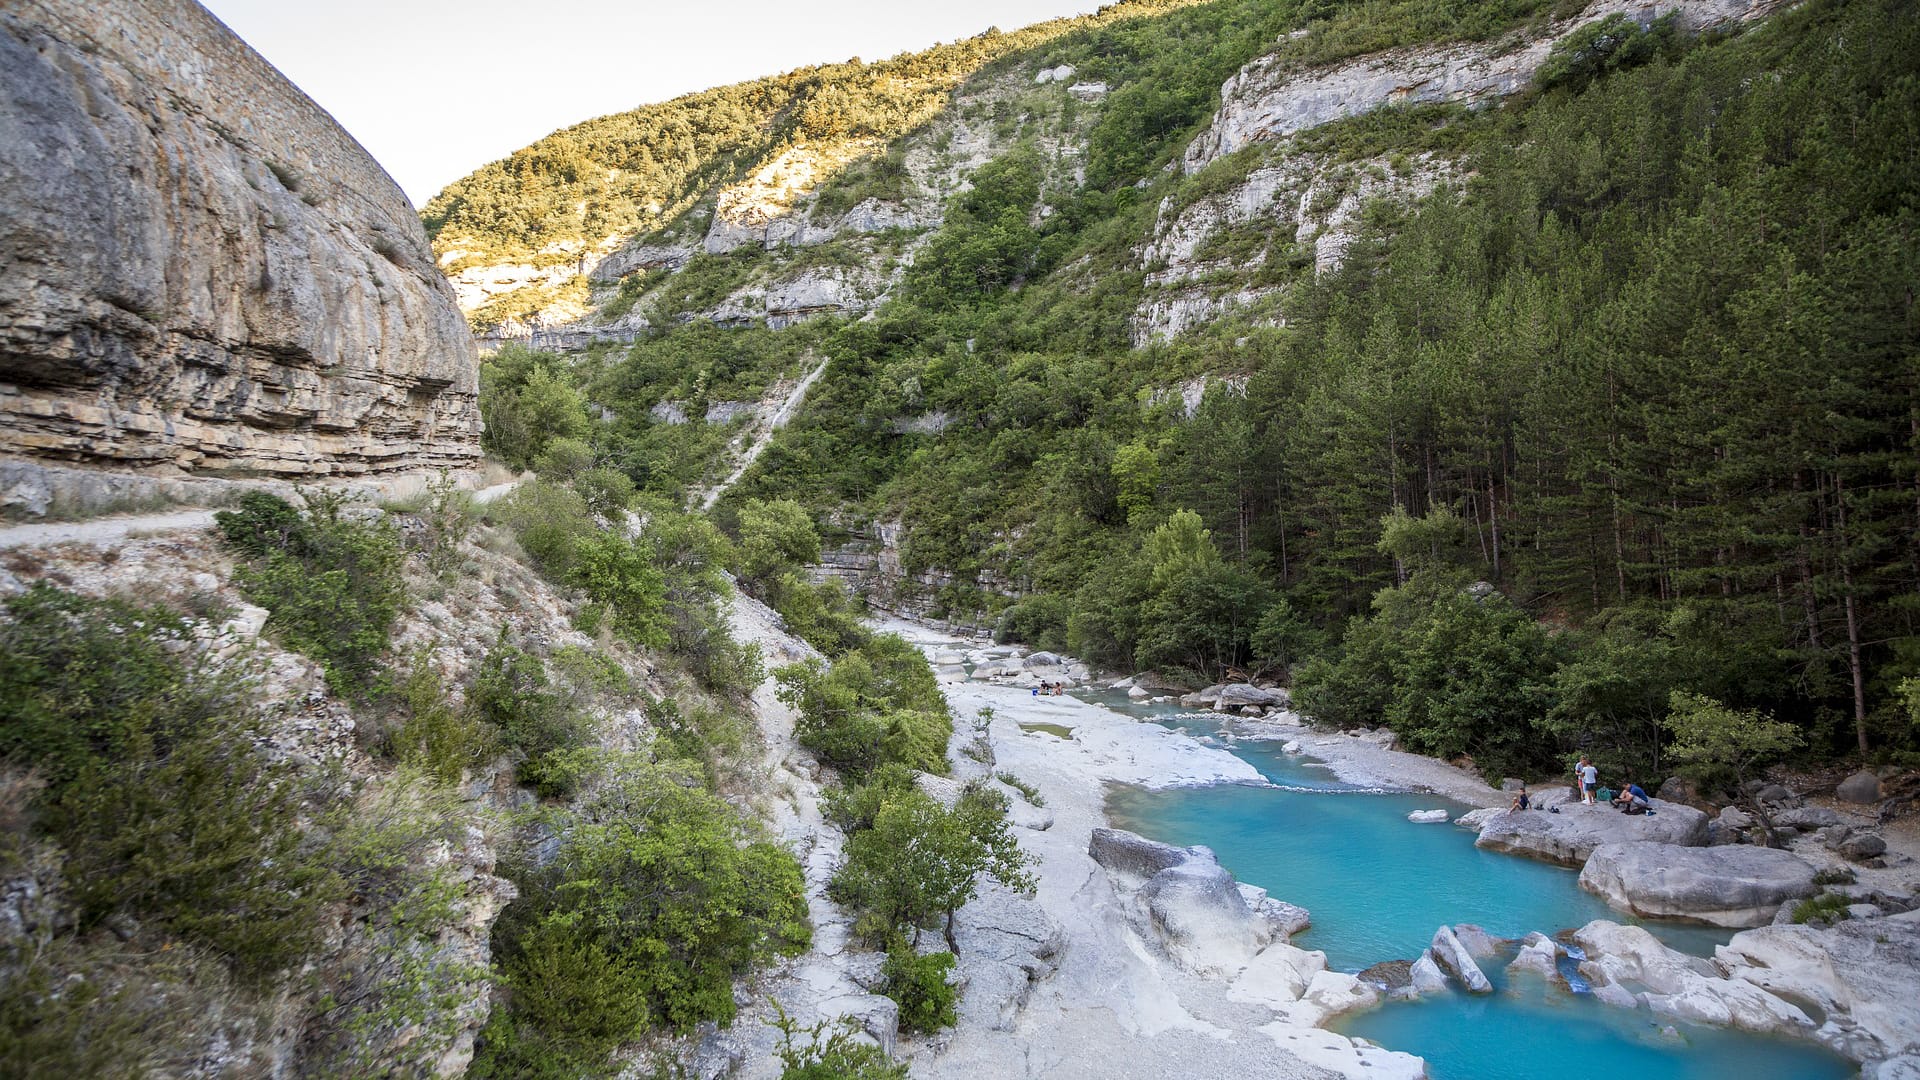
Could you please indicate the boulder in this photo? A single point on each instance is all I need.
(1680, 986)
(1425, 977)
(1202, 918)
(1774, 793)
(1539, 955)
(1007, 943)
(1475, 819)
(1045, 659)
(1732, 817)
(1428, 817)
(1285, 919)
(1864, 975)
(1631, 954)
(1235, 695)
(1678, 789)
(1861, 846)
(1898, 1067)
(1807, 817)
(1454, 959)
(1138, 693)
(1129, 853)
(1725, 886)
(1479, 944)
(1571, 835)
(1861, 787)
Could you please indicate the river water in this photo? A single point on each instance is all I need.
(1378, 886)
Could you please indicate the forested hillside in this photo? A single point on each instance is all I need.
(1635, 346)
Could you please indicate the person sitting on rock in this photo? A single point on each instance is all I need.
(1521, 801)
(1632, 799)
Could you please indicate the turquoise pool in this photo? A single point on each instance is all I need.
(1378, 885)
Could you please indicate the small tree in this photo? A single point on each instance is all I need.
(921, 860)
(1710, 737)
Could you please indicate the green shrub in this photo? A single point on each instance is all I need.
(449, 518)
(513, 695)
(777, 536)
(563, 459)
(658, 897)
(919, 984)
(854, 807)
(75, 1008)
(836, 1056)
(1039, 620)
(167, 809)
(441, 740)
(1825, 908)
(1614, 43)
(617, 573)
(826, 615)
(877, 704)
(527, 401)
(548, 520)
(607, 493)
(330, 583)
(85, 683)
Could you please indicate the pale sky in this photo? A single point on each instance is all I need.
(437, 88)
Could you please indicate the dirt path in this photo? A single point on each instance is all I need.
(107, 530)
(774, 423)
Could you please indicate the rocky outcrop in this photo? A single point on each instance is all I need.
(1571, 835)
(1270, 99)
(1851, 986)
(202, 271)
(1204, 919)
(1725, 886)
(1860, 979)
(1640, 971)
(1455, 958)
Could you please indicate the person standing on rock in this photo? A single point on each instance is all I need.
(1589, 780)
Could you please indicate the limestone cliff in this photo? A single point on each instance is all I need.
(200, 270)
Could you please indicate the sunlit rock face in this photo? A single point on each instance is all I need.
(200, 271)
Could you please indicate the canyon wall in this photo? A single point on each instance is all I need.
(201, 273)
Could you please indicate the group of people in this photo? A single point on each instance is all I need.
(1053, 688)
(1630, 799)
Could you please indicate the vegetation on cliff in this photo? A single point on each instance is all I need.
(1642, 371)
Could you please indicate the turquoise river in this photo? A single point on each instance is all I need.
(1378, 886)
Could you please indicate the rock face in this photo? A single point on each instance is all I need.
(1726, 886)
(1570, 836)
(1863, 976)
(1268, 100)
(1626, 959)
(201, 269)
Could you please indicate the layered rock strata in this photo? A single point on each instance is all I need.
(200, 271)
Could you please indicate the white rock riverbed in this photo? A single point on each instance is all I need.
(1117, 1005)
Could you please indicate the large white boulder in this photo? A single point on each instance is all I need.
(1737, 885)
(1455, 959)
(1863, 975)
(1571, 835)
(1671, 983)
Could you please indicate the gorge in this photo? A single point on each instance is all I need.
(1048, 555)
